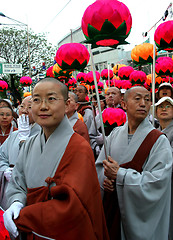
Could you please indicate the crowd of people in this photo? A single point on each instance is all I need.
(57, 180)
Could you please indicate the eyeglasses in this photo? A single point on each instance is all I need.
(166, 107)
(49, 100)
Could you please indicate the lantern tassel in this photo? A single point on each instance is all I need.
(98, 102)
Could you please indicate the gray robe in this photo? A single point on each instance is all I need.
(9, 151)
(37, 160)
(144, 198)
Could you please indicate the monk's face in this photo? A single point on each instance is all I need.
(137, 104)
(25, 108)
(48, 106)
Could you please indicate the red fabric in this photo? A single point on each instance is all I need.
(81, 128)
(7, 132)
(4, 235)
(82, 108)
(72, 210)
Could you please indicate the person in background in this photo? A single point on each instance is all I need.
(84, 107)
(135, 177)
(165, 90)
(8, 103)
(9, 150)
(113, 97)
(77, 124)
(54, 190)
(164, 114)
(6, 127)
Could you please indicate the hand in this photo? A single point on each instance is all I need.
(23, 127)
(110, 168)
(99, 138)
(109, 185)
(8, 173)
(12, 213)
(97, 150)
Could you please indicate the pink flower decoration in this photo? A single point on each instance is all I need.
(104, 74)
(126, 84)
(124, 72)
(114, 116)
(25, 80)
(168, 79)
(72, 56)
(3, 85)
(81, 77)
(72, 82)
(163, 36)
(89, 78)
(49, 72)
(164, 66)
(137, 77)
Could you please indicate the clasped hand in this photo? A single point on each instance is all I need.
(110, 171)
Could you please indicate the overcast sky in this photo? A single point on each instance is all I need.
(42, 16)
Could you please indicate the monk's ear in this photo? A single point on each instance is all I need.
(67, 103)
(124, 105)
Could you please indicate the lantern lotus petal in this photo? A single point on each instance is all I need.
(105, 73)
(26, 94)
(168, 79)
(164, 66)
(72, 56)
(163, 36)
(25, 81)
(113, 116)
(138, 78)
(124, 72)
(89, 78)
(106, 23)
(148, 82)
(3, 85)
(49, 72)
(117, 67)
(142, 54)
(126, 84)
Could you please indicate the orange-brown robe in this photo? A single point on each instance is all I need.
(81, 128)
(72, 209)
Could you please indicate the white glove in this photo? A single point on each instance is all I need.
(8, 173)
(23, 127)
(97, 149)
(12, 213)
(99, 138)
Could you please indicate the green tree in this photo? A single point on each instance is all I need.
(14, 49)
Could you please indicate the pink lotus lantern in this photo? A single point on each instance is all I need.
(81, 77)
(25, 81)
(137, 78)
(49, 72)
(168, 79)
(100, 87)
(113, 117)
(72, 83)
(164, 66)
(3, 86)
(163, 36)
(105, 73)
(125, 72)
(106, 23)
(89, 79)
(126, 84)
(118, 84)
(72, 56)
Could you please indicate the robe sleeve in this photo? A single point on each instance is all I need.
(144, 198)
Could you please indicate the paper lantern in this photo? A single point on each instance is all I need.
(142, 54)
(49, 72)
(148, 82)
(26, 94)
(72, 83)
(117, 67)
(163, 36)
(126, 84)
(137, 78)
(124, 72)
(105, 73)
(106, 23)
(72, 56)
(113, 117)
(3, 86)
(100, 86)
(168, 79)
(81, 77)
(25, 81)
(3, 233)
(89, 78)
(164, 66)
(63, 76)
